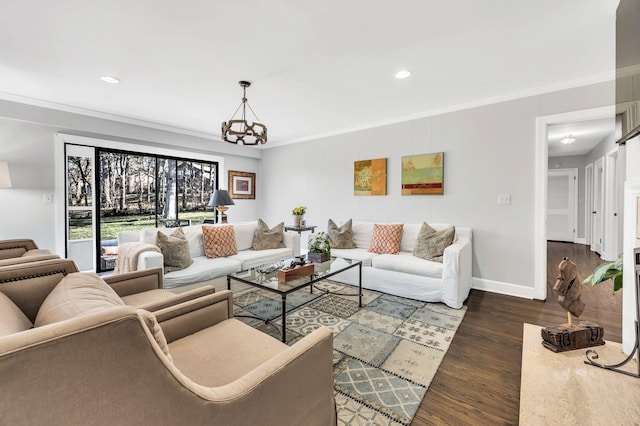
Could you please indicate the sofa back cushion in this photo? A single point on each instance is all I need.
(12, 319)
(265, 238)
(77, 294)
(362, 233)
(219, 241)
(244, 234)
(386, 238)
(175, 250)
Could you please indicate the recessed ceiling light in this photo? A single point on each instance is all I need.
(110, 79)
(403, 74)
(569, 139)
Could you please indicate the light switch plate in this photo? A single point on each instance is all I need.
(504, 199)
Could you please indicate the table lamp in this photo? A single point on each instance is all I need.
(220, 199)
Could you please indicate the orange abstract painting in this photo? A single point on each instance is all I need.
(370, 177)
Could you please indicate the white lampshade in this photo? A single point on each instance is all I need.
(5, 177)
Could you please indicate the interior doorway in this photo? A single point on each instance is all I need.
(541, 184)
(562, 203)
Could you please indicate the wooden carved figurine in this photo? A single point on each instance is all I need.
(566, 337)
(569, 289)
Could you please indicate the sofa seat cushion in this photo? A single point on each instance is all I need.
(145, 297)
(76, 295)
(252, 258)
(361, 254)
(37, 252)
(409, 264)
(223, 353)
(202, 269)
(12, 319)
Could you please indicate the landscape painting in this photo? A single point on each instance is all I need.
(370, 177)
(423, 174)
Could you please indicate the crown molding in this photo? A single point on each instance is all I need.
(540, 90)
(106, 116)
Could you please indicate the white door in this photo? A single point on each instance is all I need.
(611, 247)
(588, 203)
(80, 218)
(597, 214)
(562, 204)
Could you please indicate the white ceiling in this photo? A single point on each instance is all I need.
(317, 67)
(587, 135)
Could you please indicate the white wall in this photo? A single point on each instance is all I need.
(489, 150)
(29, 149)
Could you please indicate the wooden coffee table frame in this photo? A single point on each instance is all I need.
(295, 285)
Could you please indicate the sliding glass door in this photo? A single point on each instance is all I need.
(109, 191)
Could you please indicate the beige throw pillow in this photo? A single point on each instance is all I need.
(12, 319)
(265, 238)
(77, 294)
(430, 244)
(340, 237)
(175, 250)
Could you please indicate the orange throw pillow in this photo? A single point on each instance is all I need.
(386, 239)
(219, 241)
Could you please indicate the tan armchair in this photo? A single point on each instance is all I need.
(22, 251)
(31, 282)
(109, 367)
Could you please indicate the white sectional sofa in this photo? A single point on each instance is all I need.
(409, 276)
(204, 269)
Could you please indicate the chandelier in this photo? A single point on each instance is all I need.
(240, 130)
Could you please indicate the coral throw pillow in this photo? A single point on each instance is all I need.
(219, 241)
(386, 239)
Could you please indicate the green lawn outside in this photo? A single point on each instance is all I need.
(81, 229)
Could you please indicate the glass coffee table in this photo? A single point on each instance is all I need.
(269, 281)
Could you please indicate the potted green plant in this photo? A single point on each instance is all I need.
(319, 248)
(607, 271)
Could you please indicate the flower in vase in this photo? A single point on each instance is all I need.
(319, 243)
(299, 211)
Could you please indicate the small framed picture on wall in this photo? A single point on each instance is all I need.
(242, 184)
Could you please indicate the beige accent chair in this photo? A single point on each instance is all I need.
(140, 289)
(24, 250)
(200, 366)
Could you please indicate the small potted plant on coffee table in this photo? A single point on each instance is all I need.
(319, 248)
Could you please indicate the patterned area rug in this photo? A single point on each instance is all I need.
(385, 353)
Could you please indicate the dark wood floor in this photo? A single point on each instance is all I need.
(478, 382)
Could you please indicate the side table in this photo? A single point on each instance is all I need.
(301, 229)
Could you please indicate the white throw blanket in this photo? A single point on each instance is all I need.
(128, 254)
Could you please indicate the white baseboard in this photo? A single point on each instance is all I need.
(503, 288)
(581, 241)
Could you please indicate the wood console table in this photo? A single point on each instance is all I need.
(559, 388)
